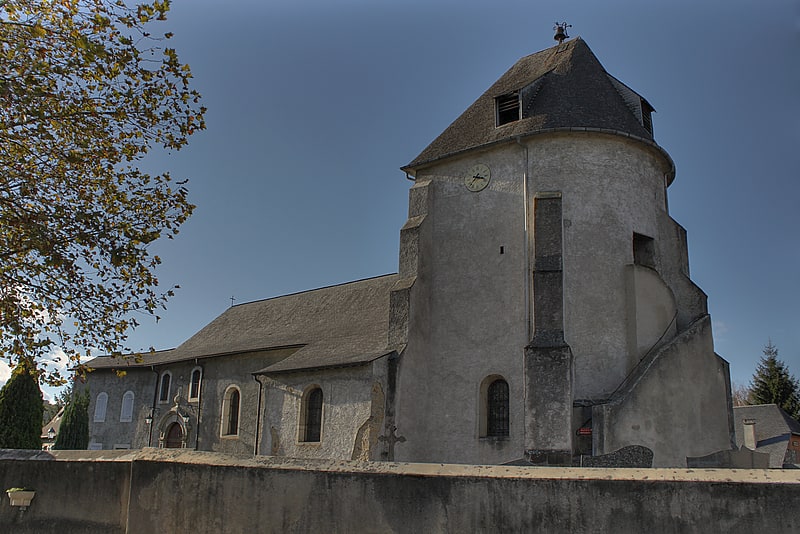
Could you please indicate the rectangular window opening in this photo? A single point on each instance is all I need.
(644, 251)
(507, 108)
(647, 117)
(647, 121)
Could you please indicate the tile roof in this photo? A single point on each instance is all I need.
(573, 90)
(773, 428)
(331, 326)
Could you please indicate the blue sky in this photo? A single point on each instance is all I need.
(314, 106)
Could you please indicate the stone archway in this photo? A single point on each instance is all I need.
(173, 437)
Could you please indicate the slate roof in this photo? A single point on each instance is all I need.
(154, 358)
(574, 91)
(54, 423)
(332, 326)
(773, 428)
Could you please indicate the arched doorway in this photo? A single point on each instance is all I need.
(173, 438)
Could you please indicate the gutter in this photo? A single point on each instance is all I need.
(153, 409)
(670, 174)
(527, 240)
(199, 400)
(258, 413)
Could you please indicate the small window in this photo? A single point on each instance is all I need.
(507, 108)
(230, 412)
(100, 407)
(493, 415)
(644, 251)
(194, 384)
(647, 116)
(311, 425)
(497, 409)
(126, 413)
(94, 446)
(163, 391)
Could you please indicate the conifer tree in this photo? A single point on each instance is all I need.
(773, 383)
(21, 409)
(74, 431)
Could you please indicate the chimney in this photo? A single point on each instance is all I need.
(749, 433)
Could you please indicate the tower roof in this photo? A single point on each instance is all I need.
(561, 87)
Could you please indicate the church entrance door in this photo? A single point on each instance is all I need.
(174, 437)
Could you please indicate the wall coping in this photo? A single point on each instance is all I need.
(733, 476)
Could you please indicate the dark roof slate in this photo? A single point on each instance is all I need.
(123, 362)
(331, 326)
(574, 92)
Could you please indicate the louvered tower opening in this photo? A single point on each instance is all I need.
(507, 108)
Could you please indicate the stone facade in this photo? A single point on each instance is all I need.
(542, 310)
(352, 418)
(482, 253)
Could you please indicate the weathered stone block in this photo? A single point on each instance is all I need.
(631, 456)
(548, 413)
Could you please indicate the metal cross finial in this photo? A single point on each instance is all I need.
(233, 299)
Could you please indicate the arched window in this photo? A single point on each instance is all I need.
(311, 422)
(230, 412)
(494, 411)
(126, 413)
(497, 409)
(100, 407)
(194, 384)
(164, 384)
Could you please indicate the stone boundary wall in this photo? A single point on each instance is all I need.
(156, 490)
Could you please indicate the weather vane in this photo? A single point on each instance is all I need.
(561, 31)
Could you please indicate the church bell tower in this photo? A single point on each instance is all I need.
(544, 309)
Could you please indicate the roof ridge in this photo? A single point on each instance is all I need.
(322, 288)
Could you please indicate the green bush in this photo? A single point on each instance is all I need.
(21, 410)
(74, 431)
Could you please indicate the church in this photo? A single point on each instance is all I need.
(542, 311)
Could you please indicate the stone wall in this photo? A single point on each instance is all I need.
(111, 433)
(653, 408)
(467, 310)
(76, 491)
(352, 413)
(203, 429)
(173, 491)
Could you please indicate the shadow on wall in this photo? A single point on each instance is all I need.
(134, 491)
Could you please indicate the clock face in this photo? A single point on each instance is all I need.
(477, 177)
